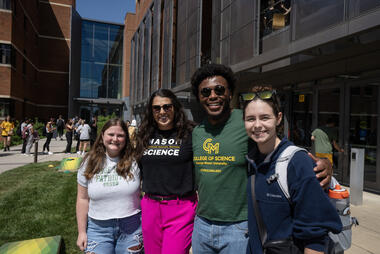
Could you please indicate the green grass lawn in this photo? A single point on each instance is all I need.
(38, 201)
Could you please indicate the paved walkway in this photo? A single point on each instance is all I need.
(365, 239)
(14, 158)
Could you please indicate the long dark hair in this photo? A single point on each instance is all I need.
(148, 125)
(96, 157)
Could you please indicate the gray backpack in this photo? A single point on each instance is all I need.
(339, 242)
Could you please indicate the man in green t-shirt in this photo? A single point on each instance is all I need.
(220, 144)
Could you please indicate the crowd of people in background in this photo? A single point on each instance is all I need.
(54, 128)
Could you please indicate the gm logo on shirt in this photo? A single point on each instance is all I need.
(209, 147)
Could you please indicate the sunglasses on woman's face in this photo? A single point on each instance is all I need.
(165, 107)
(264, 95)
(218, 89)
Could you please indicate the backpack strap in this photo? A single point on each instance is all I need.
(281, 169)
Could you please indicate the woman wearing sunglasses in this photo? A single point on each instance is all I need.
(164, 153)
(301, 223)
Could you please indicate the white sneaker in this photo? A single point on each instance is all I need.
(50, 153)
(78, 152)
(44, 152)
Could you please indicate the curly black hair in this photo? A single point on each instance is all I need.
(148, 125)
(211, 70)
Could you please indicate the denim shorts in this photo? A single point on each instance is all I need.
(219, 237)
(115, 236)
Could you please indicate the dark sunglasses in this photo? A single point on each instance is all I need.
(218, 89)
(165, 107)
(264, 95)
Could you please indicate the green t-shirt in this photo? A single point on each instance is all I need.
(323, 137)
(221, 169)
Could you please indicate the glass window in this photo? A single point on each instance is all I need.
(114, 81)
(5, 53)
(167, 41)
(328, 118)
(236, 18)
(147, 54)
(274, 15)
(101, 55)
(116, 45)
(363, 126)
(302, 118)
(358, 7)
(313, 16)
(4, 109)
(5, 4)
(188, 33)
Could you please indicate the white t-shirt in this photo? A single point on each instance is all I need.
(112, 196)
(84, 131)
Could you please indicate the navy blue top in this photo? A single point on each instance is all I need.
(307, 218)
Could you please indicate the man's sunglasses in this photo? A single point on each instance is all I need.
(165, 107)
(264, 95)
(218, 89)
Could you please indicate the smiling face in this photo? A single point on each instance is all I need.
(114, 140)
(217, 103)
(163, 112)
(260, 123)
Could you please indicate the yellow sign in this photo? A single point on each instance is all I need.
(301, 98)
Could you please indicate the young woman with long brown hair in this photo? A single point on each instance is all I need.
(108, 199)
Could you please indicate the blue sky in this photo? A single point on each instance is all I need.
(105, 10)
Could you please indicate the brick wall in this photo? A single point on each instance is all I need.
(5, 25)
(40, 31)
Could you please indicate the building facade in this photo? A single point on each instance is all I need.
(322, 56)
(35, 40)
(96, 73)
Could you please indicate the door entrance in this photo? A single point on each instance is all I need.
(361, 118)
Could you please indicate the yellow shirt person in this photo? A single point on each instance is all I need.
(7, 128)
(6, 132)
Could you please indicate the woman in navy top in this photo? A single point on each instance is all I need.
(308, 216)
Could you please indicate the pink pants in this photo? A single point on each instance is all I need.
(167, 226)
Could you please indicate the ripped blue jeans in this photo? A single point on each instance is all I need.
(115, 236)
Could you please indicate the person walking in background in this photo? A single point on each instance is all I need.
(29, 136)
(77, 122)
(288, 223)
(60, 126)
(325, 138)
(94, 130)
(84, 131)
(164, 152)
(49, 134)
(7, 127)
(24, 138)
(132, 131)
(69, 134)
(108, 197)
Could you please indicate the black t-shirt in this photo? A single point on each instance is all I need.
(94, 129)
(167, 165)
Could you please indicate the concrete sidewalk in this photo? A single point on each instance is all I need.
(365, 237)
(14, 158)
